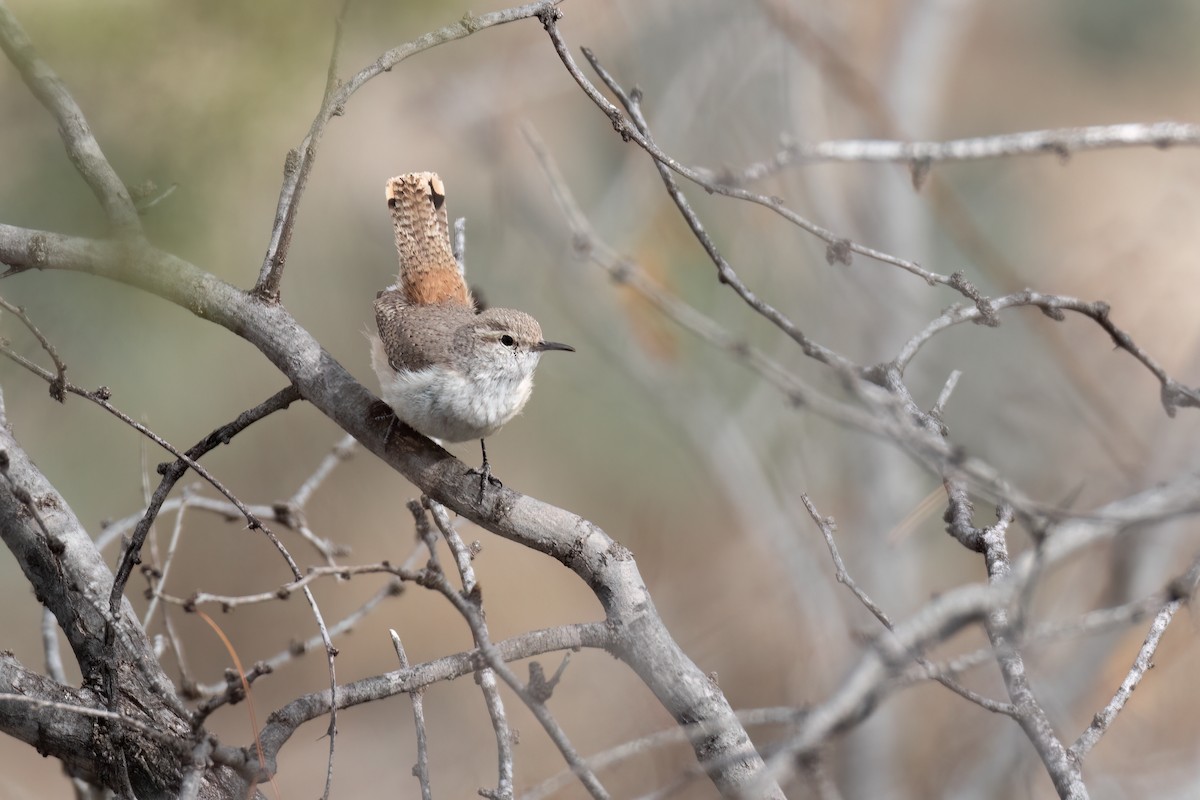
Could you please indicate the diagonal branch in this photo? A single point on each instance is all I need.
(299, 162)
(838, 248)
(82, 147)
(608, 569)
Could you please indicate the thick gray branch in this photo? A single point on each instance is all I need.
(641, 639)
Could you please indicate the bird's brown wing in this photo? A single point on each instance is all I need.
(414, 337)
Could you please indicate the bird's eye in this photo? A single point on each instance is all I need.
(507, 340)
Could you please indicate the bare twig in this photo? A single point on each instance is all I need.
(725, 273)
(341, 452)
(1063, 769)
(60, 379)
(164, 571)
(421, 770)
(1060, 142)
(467, 603)
(838, 249)
(485, 677)
(299, 162)
(1174, 394)
(82, 147)
(284, 722)
(1141, 665)
(827, 526)
(229, 602)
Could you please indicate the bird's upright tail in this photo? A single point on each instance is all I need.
(428, 272)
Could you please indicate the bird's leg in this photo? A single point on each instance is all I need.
(485, 472)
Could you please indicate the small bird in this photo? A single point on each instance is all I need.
(447, 370)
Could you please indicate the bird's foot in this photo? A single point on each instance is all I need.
(381, 412)
(485, 473)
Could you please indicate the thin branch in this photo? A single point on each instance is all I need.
(1141, 665)
(725, 273)
(82, 147)
(393, 588)
(1174, 394)
(421, 770)
(285, 721)
(1060, 142)
(341, 453)
(56, 385)
(1060, 764)
(838, 249)
(485, 677)
(230, 602)
(299, 162)
(164, 571)
(173, 472)
(827, 526)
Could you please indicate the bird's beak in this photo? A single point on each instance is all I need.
(543, 346)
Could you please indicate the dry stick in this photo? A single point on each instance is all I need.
(421, 770)
(1063, 769)
(491, 655)
(1179, 591)
(285, 721)
(163, 572)
(1061, 142)
(171, 473)
(827, 526)
(468, 604)
(296, 168)
(55, 669)
(844, 75)
(838, 248)
(393, 588)
(82, 148)
(486, 678)
(725, 273)
(276, 512)
(230, 602)
(625, 272)
(341, 452)
(56, 385)
(1141, 664)
(54, 662)
(1174, 394)
(299, 162)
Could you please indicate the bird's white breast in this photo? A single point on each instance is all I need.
(452, 406)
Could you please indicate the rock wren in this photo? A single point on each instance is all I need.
(449, 371)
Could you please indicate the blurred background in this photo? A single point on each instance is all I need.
(679, 453)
